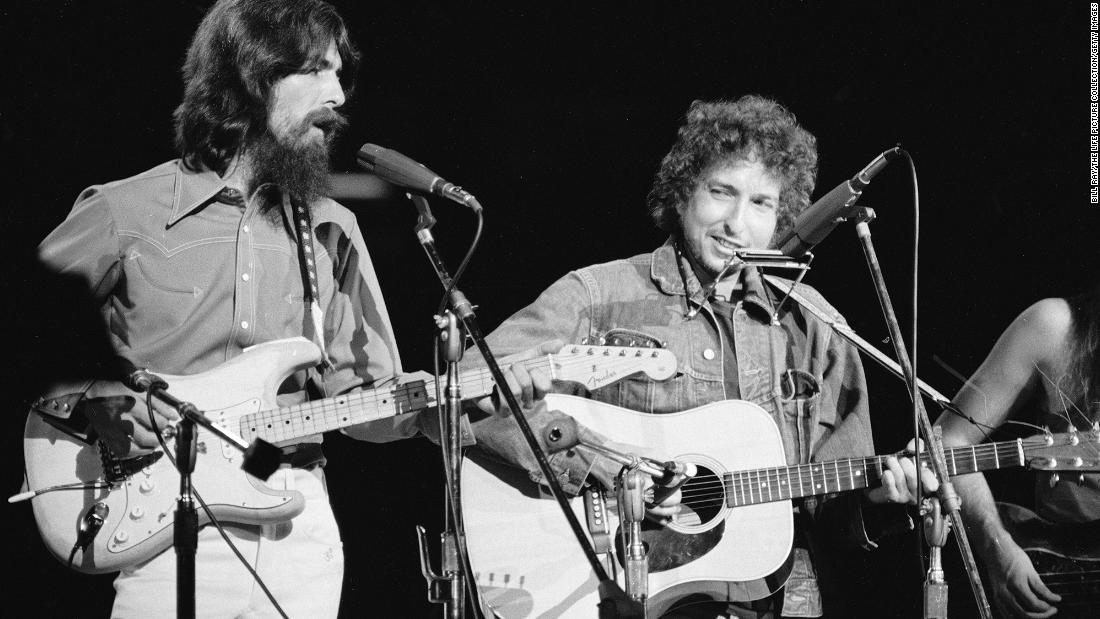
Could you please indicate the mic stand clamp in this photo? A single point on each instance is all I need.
(936, 529)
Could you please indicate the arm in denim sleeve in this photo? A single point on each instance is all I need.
(849, 516)
(562, 311)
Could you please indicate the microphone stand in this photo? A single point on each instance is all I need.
(948, 499)
(449, 587)
(613, 601)
(260, 460)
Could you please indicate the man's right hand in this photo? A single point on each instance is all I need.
(121, 419)
(606, 471)
(1016, 587)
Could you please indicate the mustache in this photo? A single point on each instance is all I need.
(328, 120)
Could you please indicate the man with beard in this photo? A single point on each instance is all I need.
(230, 246)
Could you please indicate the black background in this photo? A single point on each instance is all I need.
(556, 116)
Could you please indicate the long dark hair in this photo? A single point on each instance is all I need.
(1083, 370)
(240, 49)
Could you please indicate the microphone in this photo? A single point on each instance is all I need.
(816, 222)
(398, 169)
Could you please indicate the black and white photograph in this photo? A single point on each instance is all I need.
(532, 310)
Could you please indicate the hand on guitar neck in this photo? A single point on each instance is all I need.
(528, 386)
(899, 479)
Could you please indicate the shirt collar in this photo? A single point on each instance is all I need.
(672, 273)
(194, 190)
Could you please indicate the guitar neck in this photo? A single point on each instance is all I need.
(300, 420)
(816, 478)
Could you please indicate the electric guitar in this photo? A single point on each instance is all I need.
(1066, 556)
(70, 479)
(737, 524)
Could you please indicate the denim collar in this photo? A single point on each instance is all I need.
(671, 271)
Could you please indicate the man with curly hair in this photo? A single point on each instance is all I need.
(203, 256)
(738, 174)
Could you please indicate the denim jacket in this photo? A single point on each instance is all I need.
(647, 299)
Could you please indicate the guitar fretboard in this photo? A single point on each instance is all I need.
(802, 480)
(594, 366)
(300, 420)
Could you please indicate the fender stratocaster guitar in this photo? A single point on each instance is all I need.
(70, 477)
(1066, 556)
(738, 525)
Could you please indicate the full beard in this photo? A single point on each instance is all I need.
(296, 162)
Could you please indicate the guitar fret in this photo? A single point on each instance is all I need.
(851, 475)
(996, 457)
(974, 457)
(836, 469)
(801, 488)
(584, 365)
(790, 488)
(769, 484)
(1020, 450)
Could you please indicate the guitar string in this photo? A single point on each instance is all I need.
(756, 483)
(399, 394)
(753, 485)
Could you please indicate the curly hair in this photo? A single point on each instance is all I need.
(716, 132)
(241, 48)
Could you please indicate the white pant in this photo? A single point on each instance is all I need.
(301, 562)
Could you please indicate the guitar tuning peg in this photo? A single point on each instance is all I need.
(1054, 479)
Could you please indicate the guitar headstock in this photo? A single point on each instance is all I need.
(597, 366)
(1077, 451)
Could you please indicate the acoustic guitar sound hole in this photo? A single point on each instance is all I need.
(667, 548)
(703, 498)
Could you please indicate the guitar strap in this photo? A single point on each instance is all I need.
(303, 224)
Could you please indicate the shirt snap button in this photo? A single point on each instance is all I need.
(708, 354)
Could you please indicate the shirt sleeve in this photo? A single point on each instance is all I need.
(81, 259)
(361, 344)
(86, 244)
